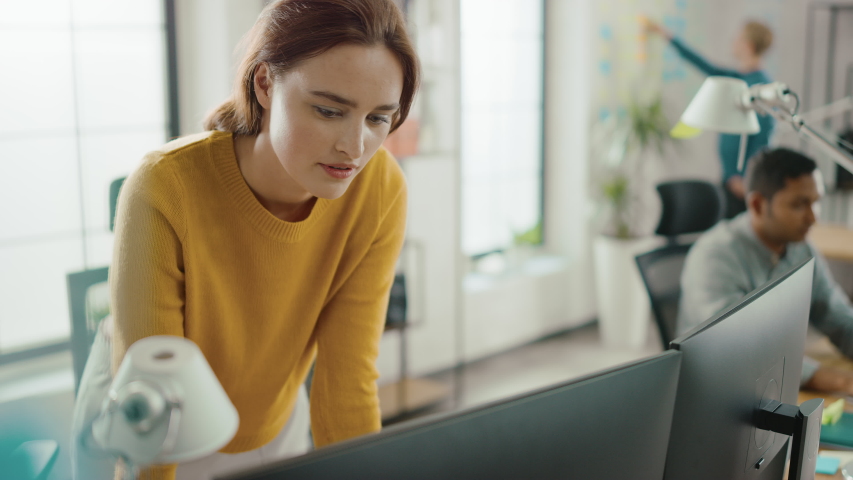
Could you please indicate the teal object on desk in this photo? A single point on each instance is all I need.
(827, 465)
(839, 434)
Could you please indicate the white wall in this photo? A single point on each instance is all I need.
(208, 32)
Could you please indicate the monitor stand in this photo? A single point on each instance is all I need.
(802, 423)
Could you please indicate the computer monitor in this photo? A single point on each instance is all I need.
(610, 425)
(747, 357)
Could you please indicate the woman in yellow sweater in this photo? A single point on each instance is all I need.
(271, 240)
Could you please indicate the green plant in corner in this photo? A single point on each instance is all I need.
(532, 237)
(649, 126)
(622, 143)
(616, 193)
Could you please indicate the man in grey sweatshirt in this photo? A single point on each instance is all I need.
(760, 245)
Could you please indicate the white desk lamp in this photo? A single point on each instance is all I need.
(729, 105)
(164, 406)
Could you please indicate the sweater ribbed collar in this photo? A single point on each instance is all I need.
(225, 163)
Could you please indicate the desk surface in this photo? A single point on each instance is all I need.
(833, 241)
(827, 355)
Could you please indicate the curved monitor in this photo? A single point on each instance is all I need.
(734, 364)
(610, 425)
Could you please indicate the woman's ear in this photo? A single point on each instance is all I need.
(263, 85)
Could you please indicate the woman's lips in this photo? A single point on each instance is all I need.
(339, 171)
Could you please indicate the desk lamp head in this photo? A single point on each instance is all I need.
(165, 405)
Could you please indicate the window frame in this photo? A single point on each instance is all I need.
(173, 128)
(543, 164)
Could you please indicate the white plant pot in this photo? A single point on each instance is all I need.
(624, 310)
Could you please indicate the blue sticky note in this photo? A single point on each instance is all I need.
(605, 32)
(604, 67)
(827, 465)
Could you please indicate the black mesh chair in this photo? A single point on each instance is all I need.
(661, 273)
(690, 206)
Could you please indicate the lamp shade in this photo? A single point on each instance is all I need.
(720, 106)
(165, 405)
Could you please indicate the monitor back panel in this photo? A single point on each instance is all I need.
(612, 425)
(731, 364)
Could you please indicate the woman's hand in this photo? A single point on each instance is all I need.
(651, 26)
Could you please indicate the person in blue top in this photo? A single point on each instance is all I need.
(748, 49)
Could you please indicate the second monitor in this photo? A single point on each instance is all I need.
(747, 358)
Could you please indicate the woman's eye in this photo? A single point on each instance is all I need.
(326, 112)
(378, 119)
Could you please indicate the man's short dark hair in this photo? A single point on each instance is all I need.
(768, 170)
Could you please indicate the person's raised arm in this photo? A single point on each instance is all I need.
(831, 312)
(688, 53)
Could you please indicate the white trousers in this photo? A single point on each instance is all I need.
(88, 464)
(293, 440)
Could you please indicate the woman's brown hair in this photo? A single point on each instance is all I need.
(759, 35)
(290, 31)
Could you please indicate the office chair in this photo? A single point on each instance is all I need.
(32, 460)
(689, 206)
(83, 329)
(115, 188)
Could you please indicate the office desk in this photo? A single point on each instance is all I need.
(834, 242)
(827, 355)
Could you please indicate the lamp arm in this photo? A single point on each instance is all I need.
(826, 145)
(829, 148)
(830, 110)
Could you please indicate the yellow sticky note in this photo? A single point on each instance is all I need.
(682, 131)
(832, 413)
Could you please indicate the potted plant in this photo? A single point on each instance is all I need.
(623, 146)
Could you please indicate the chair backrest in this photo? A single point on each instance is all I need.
(83, 326)
(661, 273)
(115, 188)
(688, 206)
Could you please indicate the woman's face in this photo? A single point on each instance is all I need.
(328, 116)
(742, 48)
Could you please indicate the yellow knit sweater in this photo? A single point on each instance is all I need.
(197, 255)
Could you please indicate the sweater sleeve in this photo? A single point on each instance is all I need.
(712, 281)
(344, 397)
(147, 272)
(699, 61)
(831, 311)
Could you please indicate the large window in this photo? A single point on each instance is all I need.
(83, 91)
(502, 123)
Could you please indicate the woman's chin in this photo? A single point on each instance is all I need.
(330, 192)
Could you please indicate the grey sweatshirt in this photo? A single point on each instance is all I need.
(729, 261)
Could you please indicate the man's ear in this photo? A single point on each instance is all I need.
(756, 202)
(263, 85)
